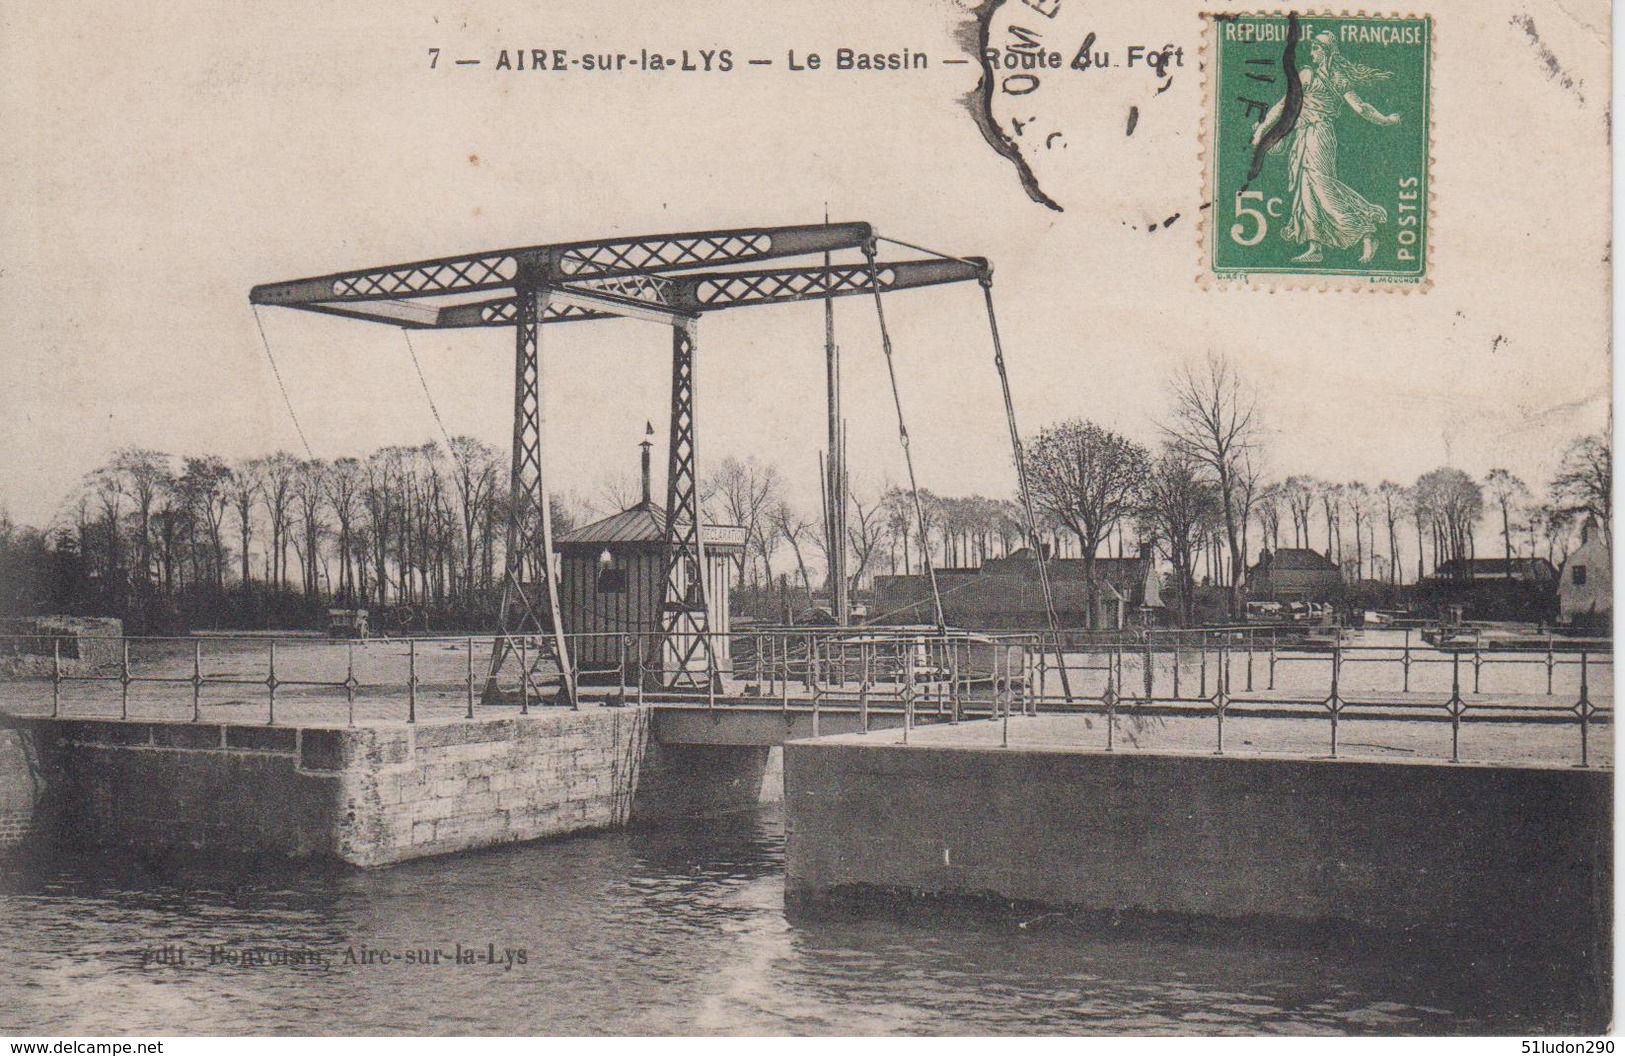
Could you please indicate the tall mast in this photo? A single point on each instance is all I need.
(835, 467)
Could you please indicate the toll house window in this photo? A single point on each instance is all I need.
(1579, 575)
(612, 581)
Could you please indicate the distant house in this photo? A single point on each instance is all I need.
(1585, 591)
(1005, 592)
(1292, 574)
(1479, 569)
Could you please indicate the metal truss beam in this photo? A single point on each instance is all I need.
(685, 614)
(712, 291)
(565, 262)
(715, 291)
(529, 559)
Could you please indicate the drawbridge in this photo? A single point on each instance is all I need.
(670, 280)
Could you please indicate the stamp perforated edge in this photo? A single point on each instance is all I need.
(1271, 282)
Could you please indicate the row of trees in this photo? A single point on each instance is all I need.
(1200, 495)
(165, 542)
(419, 533)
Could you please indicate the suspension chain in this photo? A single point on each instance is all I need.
(1026, 490)
(902, 435)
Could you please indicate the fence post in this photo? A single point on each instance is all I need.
(1549, 664)
(908, 688)
(1455, 707)
(815, 705)
(1043, 669)
(524, 679)
(1150, 678)
(349, 682)
(711, 670)
(1004, 734)
(197, 680)
(470, 711)
(1201, 645)
(411, 680)
(1109, 698)
(1219, 704)
(1249, 661)
(572, 648)
(641, 679)
(1335, 702)
(270, 685)
(1584, 708)
(1478, 661)
(56, 677)
(863, 687)
(124, 680)
(1405, 661)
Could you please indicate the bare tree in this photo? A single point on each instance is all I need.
(1507, 491)
(241, 492)
(1270, 501)
(203, 484)
(1394, 499)
(1357, 499)
(1090, 479)
(1331, 505)
(746, 490)
(277, 474)
(476, 478)
(310, 489)
(1453, 503)
(343, 496)
(787, 524)
(1585, 481)
(1214, 421)
(865, 529)
(1299, 493)
(898, 511)
(1181, 511)
(142, 475)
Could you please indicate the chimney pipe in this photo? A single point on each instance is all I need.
(649, 431)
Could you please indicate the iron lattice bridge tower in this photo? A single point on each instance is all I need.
(668, 279)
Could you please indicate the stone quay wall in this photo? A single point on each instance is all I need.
(369, 795)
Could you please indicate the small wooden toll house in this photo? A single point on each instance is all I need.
(612, 586)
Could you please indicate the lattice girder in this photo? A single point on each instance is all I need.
(714, 291)
(685, 611)
(554, 264)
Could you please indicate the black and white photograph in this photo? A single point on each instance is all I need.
(730, 518)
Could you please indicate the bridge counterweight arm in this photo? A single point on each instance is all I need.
(716, 290)
(713, 291)
(565, 262)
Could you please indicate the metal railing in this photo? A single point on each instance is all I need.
(1223, 674)
(1199, 673)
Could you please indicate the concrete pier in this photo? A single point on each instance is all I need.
(1507, 850)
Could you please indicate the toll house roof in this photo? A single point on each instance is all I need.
(644, 525)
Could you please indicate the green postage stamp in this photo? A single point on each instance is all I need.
(1318, 150)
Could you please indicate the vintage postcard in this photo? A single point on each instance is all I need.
(729, 517)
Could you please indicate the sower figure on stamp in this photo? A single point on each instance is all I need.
(1326, 211)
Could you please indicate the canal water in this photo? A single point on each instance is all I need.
(671, 932)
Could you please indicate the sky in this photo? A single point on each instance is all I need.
(163, 161)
